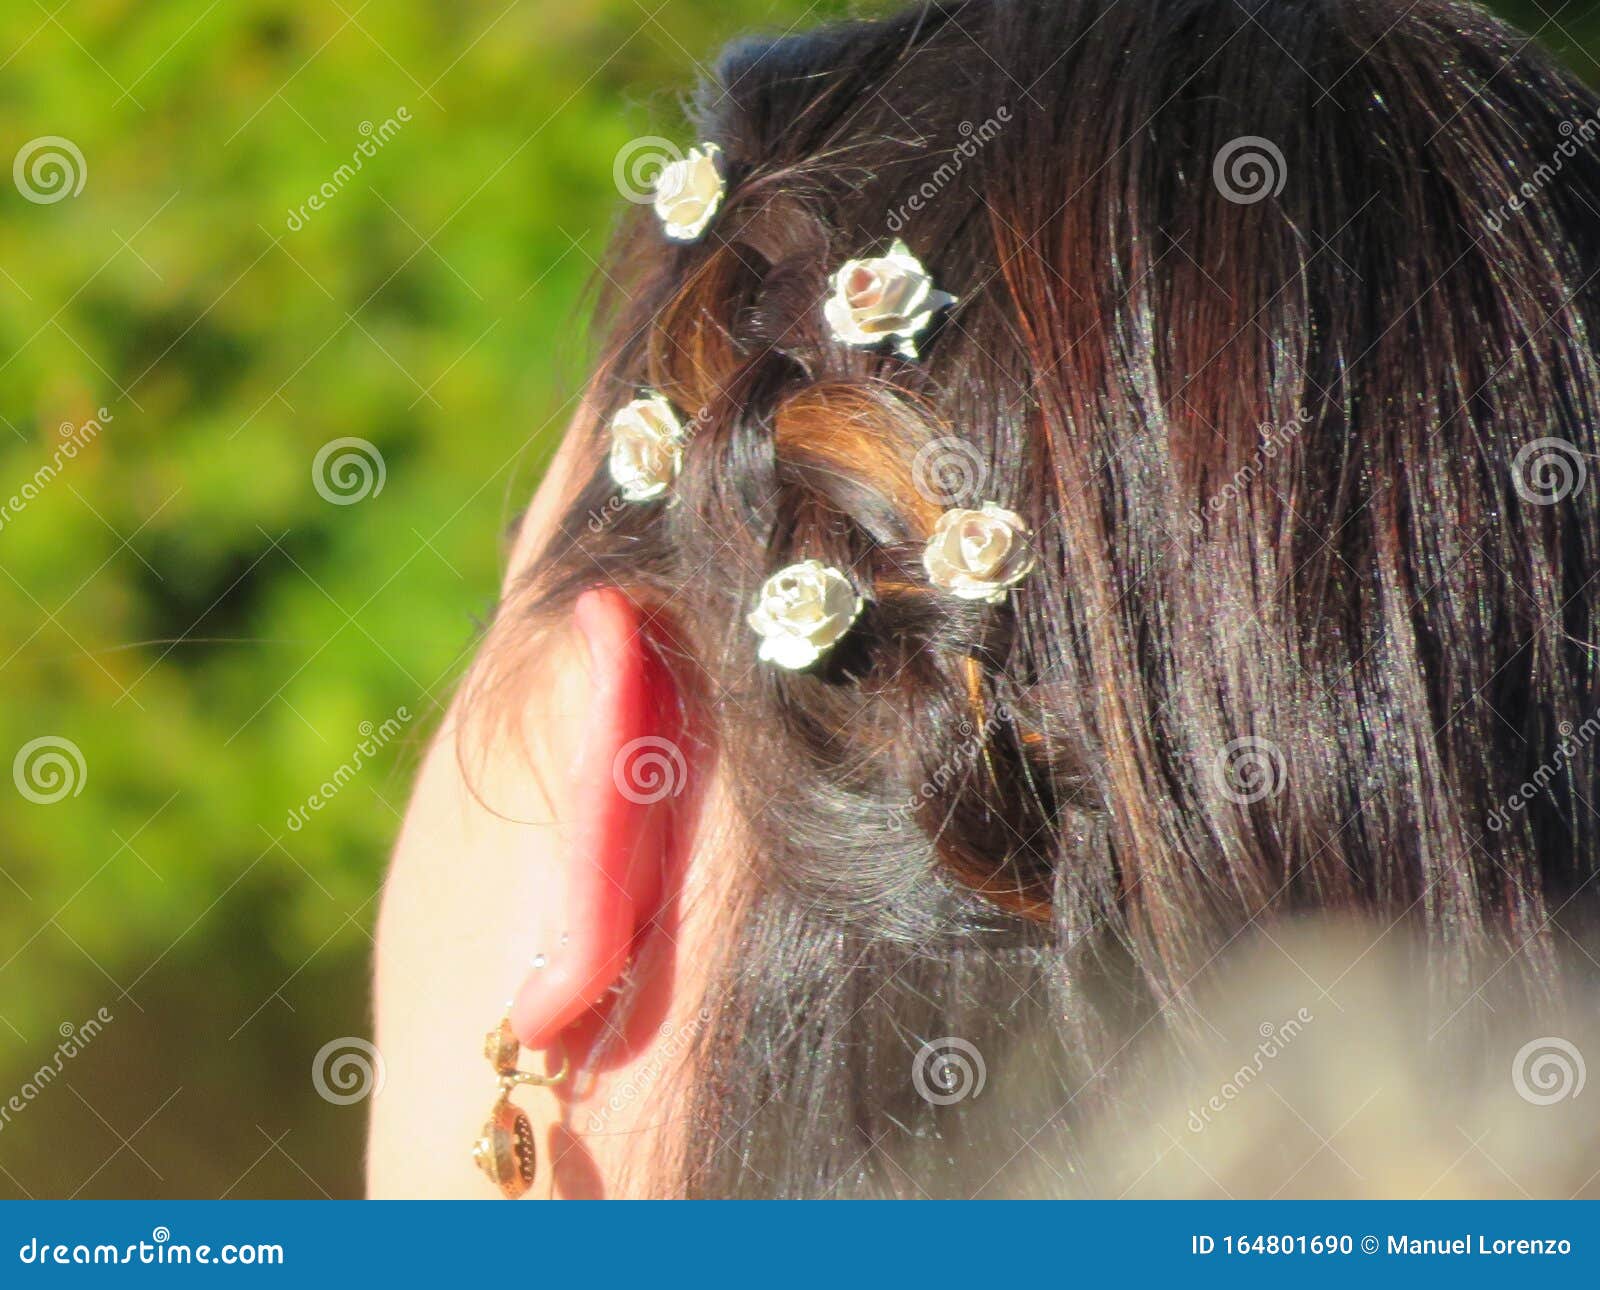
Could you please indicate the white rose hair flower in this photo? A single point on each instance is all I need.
(886, 297)
(689, 192)
(978, 554)
(802, 612)
(647, 442)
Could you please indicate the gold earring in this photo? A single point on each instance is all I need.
(505, 1151)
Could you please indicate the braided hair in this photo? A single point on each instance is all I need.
(1261, 331)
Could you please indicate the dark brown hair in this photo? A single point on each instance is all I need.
(1276, 322)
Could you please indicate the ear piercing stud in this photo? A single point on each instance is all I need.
(541, 959)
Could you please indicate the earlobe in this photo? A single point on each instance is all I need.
(616, 835)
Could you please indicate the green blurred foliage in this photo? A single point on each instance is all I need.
(180, 603)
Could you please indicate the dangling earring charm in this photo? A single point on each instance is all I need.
(505, 1151)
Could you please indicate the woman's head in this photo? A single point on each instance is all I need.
(1273, 323)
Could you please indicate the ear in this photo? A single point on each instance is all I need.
(615, 818)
